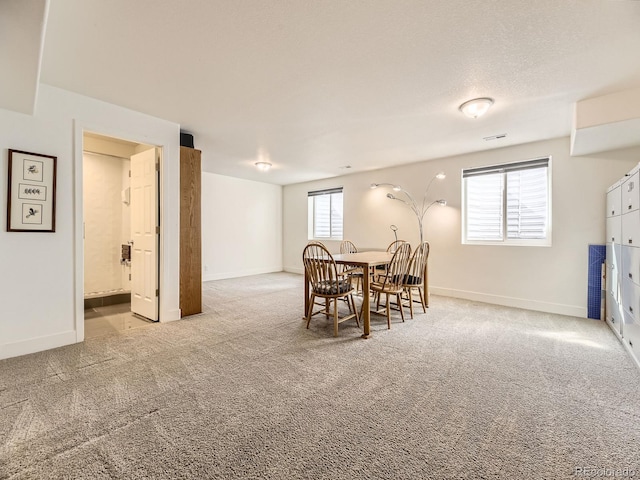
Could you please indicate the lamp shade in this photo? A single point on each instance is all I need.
(396, 188)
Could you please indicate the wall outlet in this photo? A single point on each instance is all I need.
(206, 268)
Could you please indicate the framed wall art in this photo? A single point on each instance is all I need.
(31, 204)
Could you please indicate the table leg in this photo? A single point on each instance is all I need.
(306, 294)
(425, 290)
(366, 317)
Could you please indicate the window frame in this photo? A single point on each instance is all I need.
(504, 168)
(312, 220)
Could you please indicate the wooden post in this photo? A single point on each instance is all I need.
(190, 232)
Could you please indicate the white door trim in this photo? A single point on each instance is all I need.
(169, 285)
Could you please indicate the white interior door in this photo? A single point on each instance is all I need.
(145, 235)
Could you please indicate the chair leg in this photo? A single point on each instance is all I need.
(421, 293)
(400, 305)
(335, 317)
(409, 292)
(388, 313)
(346, 300)
(311, 303)
(353, 302)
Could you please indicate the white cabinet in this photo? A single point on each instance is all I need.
(632, 338)
(614, 229)
(613, 314)
(630, 260)
(613, 262)
(614, 201)
(630, 198)
(630, 300)
(613, 277)
(623, 261)
(631, 229)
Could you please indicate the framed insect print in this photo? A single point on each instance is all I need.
(31, 205)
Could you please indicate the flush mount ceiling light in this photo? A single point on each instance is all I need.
(477, 107)
(264, 166)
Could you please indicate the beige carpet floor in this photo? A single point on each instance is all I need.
(467, 390)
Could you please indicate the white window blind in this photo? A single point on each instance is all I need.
(484, 207)
(325, 209)
(527, 203)
(507, 203)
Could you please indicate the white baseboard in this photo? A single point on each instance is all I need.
(37, 344)
(240, 273)
(171, 316)
(561, 309)
(299, 270)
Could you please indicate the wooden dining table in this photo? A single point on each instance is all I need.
(364, 260)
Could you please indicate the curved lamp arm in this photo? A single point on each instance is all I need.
(411, 203)
(439, 176)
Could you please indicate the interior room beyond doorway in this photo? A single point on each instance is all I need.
(107, 234)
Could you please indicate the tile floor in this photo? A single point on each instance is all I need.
(111, 319)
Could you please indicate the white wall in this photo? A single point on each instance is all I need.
(241, 227)
(552, 279)
(105, 228)
(41, 282)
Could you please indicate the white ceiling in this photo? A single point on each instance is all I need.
(314, 86)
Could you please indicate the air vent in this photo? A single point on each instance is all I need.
(495, 137)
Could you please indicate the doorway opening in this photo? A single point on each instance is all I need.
(120, 216)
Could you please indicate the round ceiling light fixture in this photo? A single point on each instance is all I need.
(477, 107)
(264, 166)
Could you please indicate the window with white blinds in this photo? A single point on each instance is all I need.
(508, 203)
(325, 214)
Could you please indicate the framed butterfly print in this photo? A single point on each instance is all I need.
(31, 205)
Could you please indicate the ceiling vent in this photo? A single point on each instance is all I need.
(495, 137)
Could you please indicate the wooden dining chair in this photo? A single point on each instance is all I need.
(415, 277)
(393, 246)
(315, 242)
(393, 282)
(327, 283)
(381, 270)
(347, 246)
